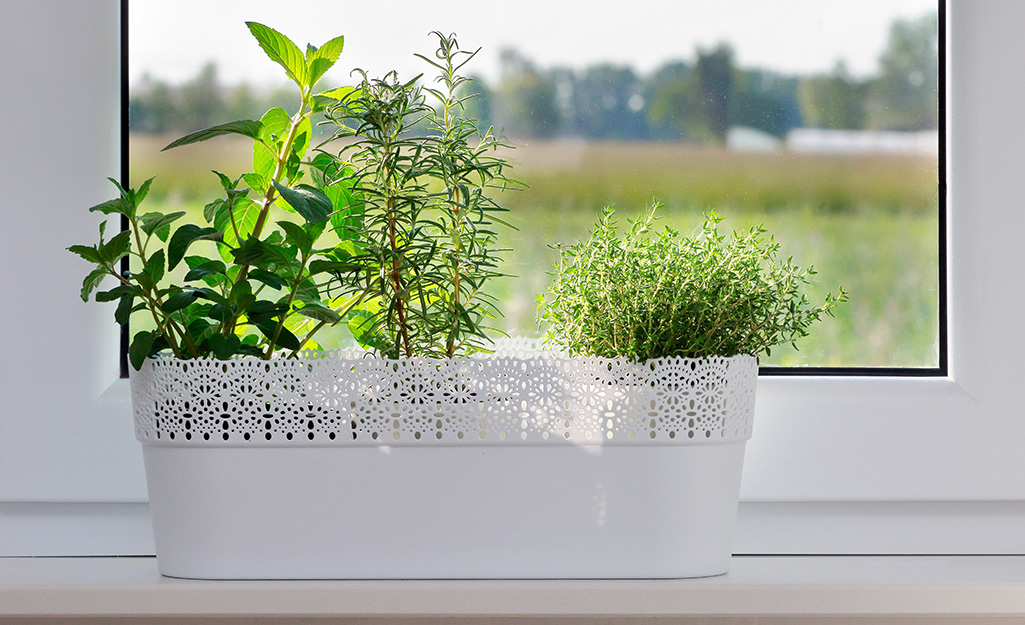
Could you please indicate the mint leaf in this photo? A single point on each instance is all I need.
(246, 127)
(282, 51)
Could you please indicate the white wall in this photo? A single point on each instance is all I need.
(59, 121)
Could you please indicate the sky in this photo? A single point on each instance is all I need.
(172, 40)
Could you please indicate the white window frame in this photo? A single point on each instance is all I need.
(898, 452)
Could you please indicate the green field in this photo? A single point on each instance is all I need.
(869, 223)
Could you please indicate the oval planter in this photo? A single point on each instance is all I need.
(348, 466)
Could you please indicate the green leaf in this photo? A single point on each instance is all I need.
(119, 206)
(201, 329)
(320, 312)
(323, 58)
(257, 182)
(275, 124)
(333, 266)
(288, 340)
(347, 218)
(345, 250)
(242, 294)
(153, 270)
(336, 182)
(272, 280)
(124, 309)
(282, 51)
(179, 301)
(264, 311)
(211, 209)
(227, 183)
(246, 127)
(141, 347)
(115, 249)
(220, 312)
(285, 338)
(140, 195)
(118, 292)
(117, 184)
(210, 267)
(183, 238)
(89, 253)
(298, 235)
(364, 328)
(324, 168)
(210, 294)
(245, 213)
(212, 278)
(157, 222)
(317, 69)
(310, 202)
(338, 94)
(249, 350)
(303, 135)
(307, 292)
(224, 347)
(257, 252)
(91, 282)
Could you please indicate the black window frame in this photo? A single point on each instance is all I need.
(942, 368)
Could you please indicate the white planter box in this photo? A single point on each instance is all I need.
(500, 467)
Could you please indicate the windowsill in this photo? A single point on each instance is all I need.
(756, 585)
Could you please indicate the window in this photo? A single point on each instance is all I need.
(65, 433)
(831, 144)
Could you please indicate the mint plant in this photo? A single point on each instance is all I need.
(426, 176)
(645, 294)
(279, 245)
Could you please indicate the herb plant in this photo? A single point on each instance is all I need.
(277, 246)
(647, 294)
(393, 235)
(426, 175)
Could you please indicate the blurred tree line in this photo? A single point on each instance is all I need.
(695, 102)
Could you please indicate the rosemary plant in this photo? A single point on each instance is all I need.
(426, 175)
(647, 294)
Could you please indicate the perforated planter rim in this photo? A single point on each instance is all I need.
(518, 465)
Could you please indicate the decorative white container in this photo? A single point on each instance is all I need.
(349, 466)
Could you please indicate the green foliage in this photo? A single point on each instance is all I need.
(834, 101)
(424, 174)
(253, 281)
(393, 238)
(714, 73)
(904, 97)
(696, 101)
(647, 294)
(527, 102)
(243, 127)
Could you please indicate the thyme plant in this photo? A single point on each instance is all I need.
(426, 176)
(644, 294)
(276, 245)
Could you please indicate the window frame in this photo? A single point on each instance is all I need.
(845, 441)
(941, 368)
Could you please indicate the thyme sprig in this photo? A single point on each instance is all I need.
(648, 294)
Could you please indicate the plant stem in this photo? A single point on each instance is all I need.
(288, 306)
(396, 280)
(153, 301)
(265, 204)
(450, 347)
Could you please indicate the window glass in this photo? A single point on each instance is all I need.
(818, 120)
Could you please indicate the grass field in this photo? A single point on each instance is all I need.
(869, 223)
